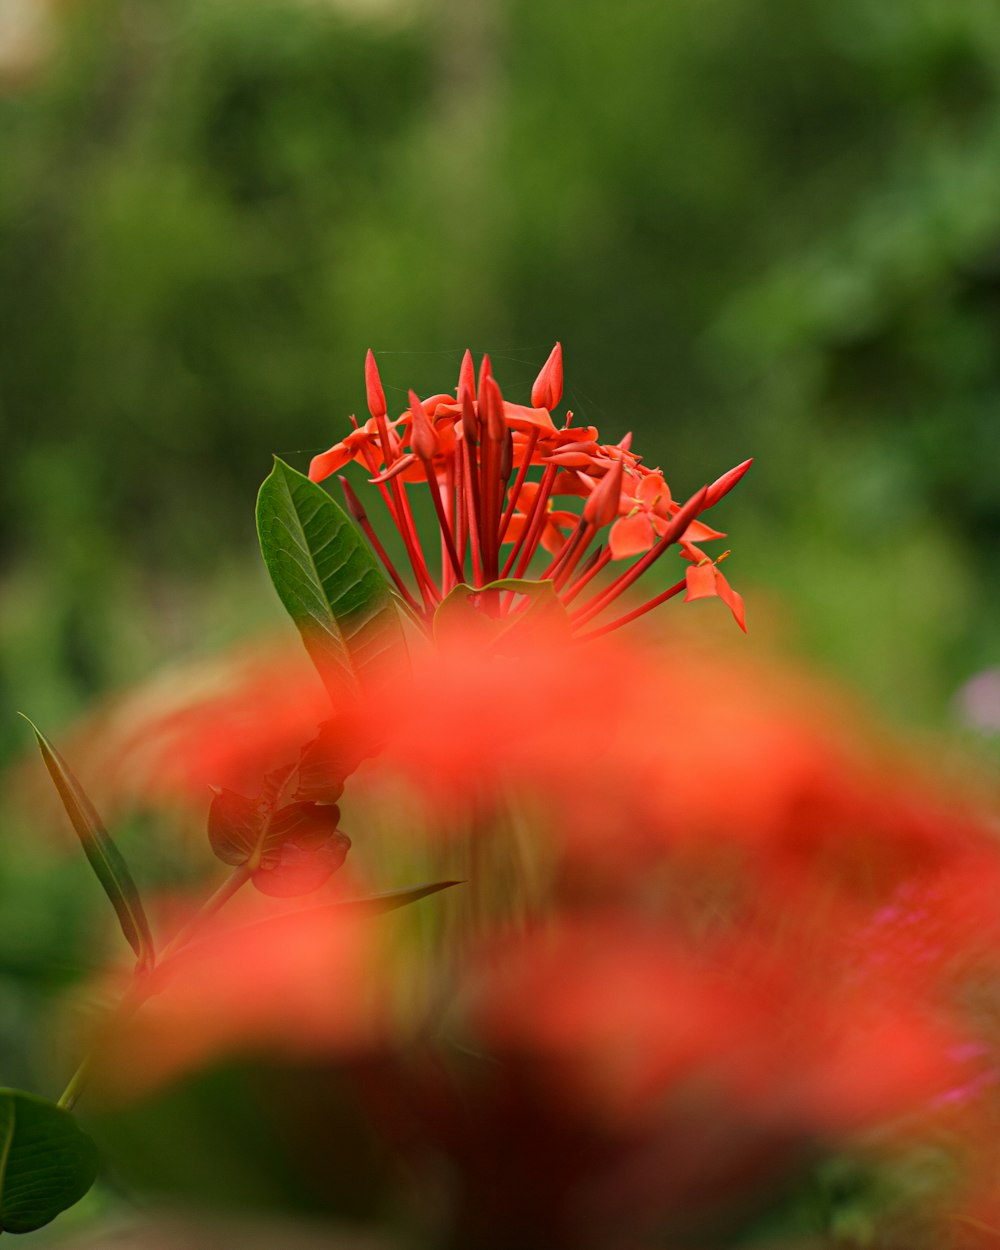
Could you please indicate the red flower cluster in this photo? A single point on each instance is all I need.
(710, 929)
(475, 452)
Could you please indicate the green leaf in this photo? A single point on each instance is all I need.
(290, 848)
(105, 858)
(457, 613)
(46, 1162)
(372, 905)
(327, 579)
(390, 900)
(329, 759)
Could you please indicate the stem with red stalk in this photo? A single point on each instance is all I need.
(559, 559)
(355, 508)
(457, 483)
(485, 474)
(428, 591)
(451, 512)
(503, 442)
(493, 446)
(527, 544)
(399, 493)
(595, 562)
(425, 444)
(565, 560)
(636, 612)
(575, 554)
(472, 491)
(670, 535)
(600, 509)
(515, 490)
(400, 512)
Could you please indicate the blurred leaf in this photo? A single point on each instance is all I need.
(46, 1163)
(328, 759)
(327, 579)
(299, 868)
(105, 858)
(456, 611)
(390, 900)
(290, 849)
(234, 826)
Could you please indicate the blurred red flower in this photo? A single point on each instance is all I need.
(712, 924)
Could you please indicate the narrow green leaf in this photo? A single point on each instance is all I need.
(390, 900)
(46, 1163)
(105, 858)
(372, 905)
(327, 579)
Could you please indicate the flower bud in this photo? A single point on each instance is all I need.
(373, 384)
(423, 437)
(547, 389)
(602, 504)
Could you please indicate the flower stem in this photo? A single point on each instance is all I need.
(143, 984)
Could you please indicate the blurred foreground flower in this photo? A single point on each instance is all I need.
(679, 972)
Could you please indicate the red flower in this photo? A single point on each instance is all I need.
(723, 929)
(493, 469)
(703, 580)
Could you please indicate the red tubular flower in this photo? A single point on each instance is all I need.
(493, 469)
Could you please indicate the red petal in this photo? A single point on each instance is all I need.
(630, 536)
(699, 532)
(655, 493)
(520, 418)
(701, 582)
(732, 600)
(328, 462)
(401, 465)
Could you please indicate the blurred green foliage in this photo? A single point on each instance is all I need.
(766, 227)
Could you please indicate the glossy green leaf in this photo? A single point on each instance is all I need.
(105, 858)
(46, 1163)
(327, 579)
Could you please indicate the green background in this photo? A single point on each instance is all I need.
(766, 227)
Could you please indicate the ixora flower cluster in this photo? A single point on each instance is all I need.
(475, 451)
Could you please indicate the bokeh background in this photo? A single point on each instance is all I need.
(758, 227)
(766, 227)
